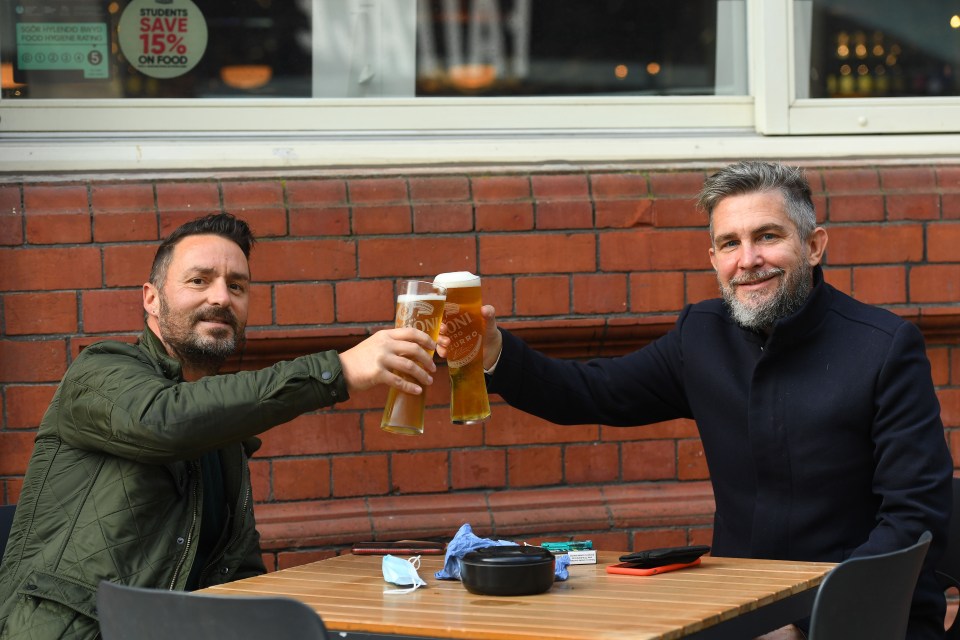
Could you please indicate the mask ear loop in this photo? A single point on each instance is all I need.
(415, 561)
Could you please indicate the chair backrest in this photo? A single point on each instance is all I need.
(6, 521)
(869, 598)
(158, 614)
(948, 568)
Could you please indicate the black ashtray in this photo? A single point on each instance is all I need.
(507, 570)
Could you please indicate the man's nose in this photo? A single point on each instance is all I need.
(750, 256)
(219, 294)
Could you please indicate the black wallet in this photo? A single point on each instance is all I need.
(667, 555)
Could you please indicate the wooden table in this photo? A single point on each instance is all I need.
(722, 598)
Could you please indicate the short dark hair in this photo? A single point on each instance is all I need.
(224, 225)
(750, 176)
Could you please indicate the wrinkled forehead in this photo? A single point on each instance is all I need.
(209, 253)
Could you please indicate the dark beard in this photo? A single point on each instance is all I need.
(788, 298)
(191, 349)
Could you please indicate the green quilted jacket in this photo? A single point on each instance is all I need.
(113, 489)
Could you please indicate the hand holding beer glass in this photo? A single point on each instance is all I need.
(419, 305)
(465, 327)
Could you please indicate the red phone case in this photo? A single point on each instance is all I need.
(626, 568)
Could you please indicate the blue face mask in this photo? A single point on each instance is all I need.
(403, 573)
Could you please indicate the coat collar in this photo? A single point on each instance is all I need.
(150, 343)
(797, 325)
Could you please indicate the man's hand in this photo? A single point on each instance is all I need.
(492, 340)
(789, 632)
(386, 357)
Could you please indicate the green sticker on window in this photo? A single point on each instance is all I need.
(64, 46)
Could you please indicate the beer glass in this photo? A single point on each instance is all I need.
(468, 389)
(419, 305)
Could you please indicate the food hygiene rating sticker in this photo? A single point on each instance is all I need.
(162, 38)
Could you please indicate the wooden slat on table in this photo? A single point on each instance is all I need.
(349, 594)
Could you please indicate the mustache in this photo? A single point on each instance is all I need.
(216, 314)
(756, 276)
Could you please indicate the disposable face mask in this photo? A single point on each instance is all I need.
(402, 572)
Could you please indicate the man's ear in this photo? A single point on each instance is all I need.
(151, 300)
(816, 246)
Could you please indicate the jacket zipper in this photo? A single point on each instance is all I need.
(193, 523)
(238, 521)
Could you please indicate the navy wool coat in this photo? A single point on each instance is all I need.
(823, 440)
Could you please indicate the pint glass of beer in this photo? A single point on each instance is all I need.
(419, 305)
(468, 389)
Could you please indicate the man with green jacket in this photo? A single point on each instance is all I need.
(140, 470)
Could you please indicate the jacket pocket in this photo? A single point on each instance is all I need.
(52, 606)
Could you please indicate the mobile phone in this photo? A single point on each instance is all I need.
(630, 569)
(403, 547)
(650, 558)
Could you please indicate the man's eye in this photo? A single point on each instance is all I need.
(236, 286)
(197, 281)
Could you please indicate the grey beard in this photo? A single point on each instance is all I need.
(788, 298)
(195, 351)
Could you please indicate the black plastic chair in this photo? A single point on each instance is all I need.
(158, 614)
(869, 598)
(6, 521)
(948, 568)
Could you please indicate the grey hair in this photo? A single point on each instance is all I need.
(751, 176)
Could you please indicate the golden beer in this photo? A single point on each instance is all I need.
(468, 389)
(419, 305)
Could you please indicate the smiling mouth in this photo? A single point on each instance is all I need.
(756, 280)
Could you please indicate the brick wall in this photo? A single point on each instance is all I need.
(579, 262)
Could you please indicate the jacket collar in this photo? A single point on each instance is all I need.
(798, 324)
(150, 343)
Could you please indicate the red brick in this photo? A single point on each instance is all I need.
(301, 479)
(691, 463)
(815, 180)
(195, 199)
(281, 260)
(12, 489)
(618, 185)
(260, 203)
(701, 286)
(542, 296)
(261, 311)
(37, 313)
(935, 283)
(312, 193)
(623, 214)
(313, 434)
(949, 407)
(564, 214)
(127, 265)
(446, 189)
(566, 186)
(366, 301)
(304, 304)
(53, 226)
(916, 206)
(658, 539)
(591, 463)
(380, 219)
(478, 468)
(499, 293)
(377, 190)
(839, 278)
(950, 205)
(875, 244)
(15, 450)
(948, 178)
(289, 559)
(880, 285)
(123, 212)
(260, 480)
(908, 178)
(600, 293)
(504, 216)
(26, 405)
(939, 365)
(856, 208)
(647, 250)
(442, 217)
(366, 475)
(820, 208)
(11, 215)
(501, 188)
(33, 361)
(112, 310)
(534, 466)
(549, 510)
(545, 253)
(49, 268)
(415, 256)
(649, 460)
(420, 472)
(319, 221)
(510, 427)
(943, 240)
(955, 366)
(54, 199)
(676, 183)
(679, 212)
(670, 429)
(661, 291)
(850, 180)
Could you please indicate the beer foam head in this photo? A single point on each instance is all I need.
(457, 279)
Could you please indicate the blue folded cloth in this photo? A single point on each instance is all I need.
(466, 541)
